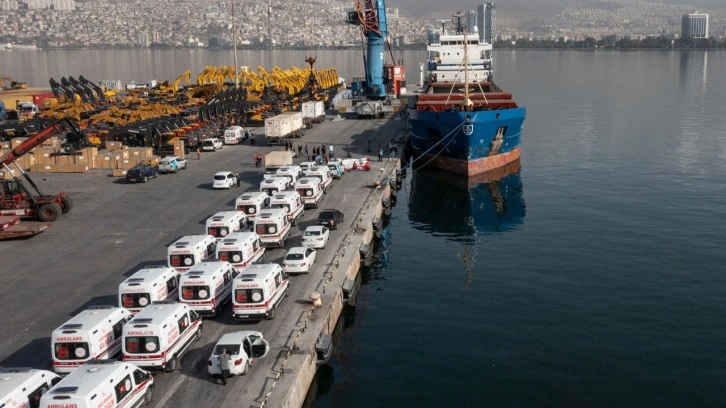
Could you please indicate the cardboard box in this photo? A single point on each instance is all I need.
(17, 141)
(121, 154)
(72, 168)
(43, 168)
(62, 159)
(124, 163)
(147, 151)
(25, 161)
(51, 142)
(179, 148)
(43, 155)
(4, 145)
(119, 173)
(90, 151)
(106, 161)
(4, 175)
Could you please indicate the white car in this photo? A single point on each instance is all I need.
(315, 236)
(299, 260)
(242, 347)
(211, 144)
(224, 179)
(170, 164)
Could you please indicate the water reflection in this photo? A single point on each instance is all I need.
(463, 208)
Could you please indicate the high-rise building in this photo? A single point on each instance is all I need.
(480, 21)
(694, 25)
(489, 25)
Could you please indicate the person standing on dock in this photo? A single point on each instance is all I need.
(369, 146)
(224, 359)
(307, 154)
(380, 153)
(198, 151)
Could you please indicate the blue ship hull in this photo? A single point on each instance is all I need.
(466, 143)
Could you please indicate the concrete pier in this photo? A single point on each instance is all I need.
(116, 228)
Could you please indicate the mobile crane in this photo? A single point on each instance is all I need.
(382, 81)
(16, 198)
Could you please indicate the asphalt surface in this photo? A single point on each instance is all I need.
(116, 228)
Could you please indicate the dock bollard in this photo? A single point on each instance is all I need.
(315, 298)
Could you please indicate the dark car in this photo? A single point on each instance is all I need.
(140, 172)
(330, 218)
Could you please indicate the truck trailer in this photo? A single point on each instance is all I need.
(284, 125)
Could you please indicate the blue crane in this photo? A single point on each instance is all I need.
(371, 16)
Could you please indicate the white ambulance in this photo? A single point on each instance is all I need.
(207, 286)
(189, 250)
(226, 222)
(101, 384)
(147, 285)
(310, 191)
(95, 333)
(234, 135)
(273, 227)
(241, 249)
(157, 337)
(258, 290)
(323, 174)
(23, 387)
(292, 173)
(289, 201)
(274, 184)
(251, 203)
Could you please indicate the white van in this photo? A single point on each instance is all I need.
(101, 384)
(323, 174)
(156, 338)
(273, 227)
(241, 249)
(234, 135)
(310, 191)
(211, 144)
(292, 173)
(207, 286)
(224, 223)
(251, 203)
(273, 185)
(93, 333)
(258, 290)
(23, 387)
(291, 202)
(147, 285)
(189, 250)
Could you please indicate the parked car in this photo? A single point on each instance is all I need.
(140, 172)
(330, 218)
(315, 236)
(170, 164)
(242, 347)
(211, 144)
(224, 179)
(299, 260)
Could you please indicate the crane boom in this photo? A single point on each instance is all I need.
(60, 126)
(371, 16)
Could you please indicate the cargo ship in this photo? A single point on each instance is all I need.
(462, 122)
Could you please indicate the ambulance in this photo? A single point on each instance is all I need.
(289, 201)
(309, 190)
(273, 227)
(274, 184)
(101, 384)
(323, 174)
(207, 286)
(189, 250)
(241, 249)
(23, 387)
(148, 285)
(225, 222)
(292, 173)
(251, 203)
(94, 333)
(157, 337)
(258, 290)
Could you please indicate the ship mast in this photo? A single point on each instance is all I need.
(460, 29)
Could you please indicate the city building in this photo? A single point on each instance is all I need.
(694, 25)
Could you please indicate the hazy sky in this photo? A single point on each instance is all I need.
(521, 9)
